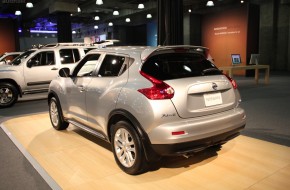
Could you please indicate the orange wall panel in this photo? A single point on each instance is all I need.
(7, 36)
(225, 33)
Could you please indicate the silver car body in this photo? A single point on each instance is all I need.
(190, 121)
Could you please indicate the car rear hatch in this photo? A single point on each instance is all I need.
(199, 87)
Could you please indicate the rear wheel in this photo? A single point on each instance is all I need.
(55, 114)
(8, 95)
(127, 148)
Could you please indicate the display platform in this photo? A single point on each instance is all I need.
(72, 159)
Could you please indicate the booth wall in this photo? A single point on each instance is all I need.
(225, 33)
(8, 41)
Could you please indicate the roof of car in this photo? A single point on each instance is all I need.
(144, 51)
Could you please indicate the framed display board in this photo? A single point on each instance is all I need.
(254, 60)
(236, 59)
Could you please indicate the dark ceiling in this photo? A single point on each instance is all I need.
(43, 12)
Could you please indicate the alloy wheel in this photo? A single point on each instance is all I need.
(125, 147)
(54, 113)
(6, 95)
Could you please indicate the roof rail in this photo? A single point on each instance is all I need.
(100, 44)
(66, 44)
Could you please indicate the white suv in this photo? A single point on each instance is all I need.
(32, 71)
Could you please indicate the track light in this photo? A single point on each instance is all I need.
(99, 2)
(128, 20)
(209, 3)
(148, 16)
(141, 6)
(96, 27)
(29, 5)
(97, 18)
(17, 12)
(110, 24)
(115, 12)
(79, 9)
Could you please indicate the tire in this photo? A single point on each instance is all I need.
(8, 95)
(55, 114)
(127, 148)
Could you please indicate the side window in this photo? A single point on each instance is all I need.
(86, 50)
(69, 55)
(42, 59)
(111, 66)
(76, 54)
(87, 66)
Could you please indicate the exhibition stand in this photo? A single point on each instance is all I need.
(72, 159)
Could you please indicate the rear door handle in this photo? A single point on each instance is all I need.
(54, 68)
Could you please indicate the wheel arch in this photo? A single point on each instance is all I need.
(121, 114)
(11, 81)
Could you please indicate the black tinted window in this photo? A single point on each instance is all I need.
(69, 55)
(86, 50)
(87, 65)
(178, 65)
(42, 59)
(18, 59)
(111, 66)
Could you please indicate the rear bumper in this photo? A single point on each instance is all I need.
(196, 145)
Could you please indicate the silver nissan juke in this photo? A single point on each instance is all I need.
(148, 102)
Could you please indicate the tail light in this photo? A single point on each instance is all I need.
(160, 90)
(234, 83)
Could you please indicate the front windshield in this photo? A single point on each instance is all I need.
(1, 57)
(18, 59)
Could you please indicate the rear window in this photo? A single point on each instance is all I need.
(68, 56)
(179, 65)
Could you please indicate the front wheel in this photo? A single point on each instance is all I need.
(55, 114)
(8, 95)
(127, 148)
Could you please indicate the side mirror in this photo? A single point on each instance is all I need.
(64, 72)
(32, 63)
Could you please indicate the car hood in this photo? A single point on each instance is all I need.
(7, 68)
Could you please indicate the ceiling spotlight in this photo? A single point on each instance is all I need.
(96, 27)
(141, 6)
(110, 24)
(99, 2)
(74, 32)
(97, 18)
(148, 16)
(209, 3)
(116, 13)
(17, 12)
(242, 1)
(29, 5)
(128, 20)
(189, 10)
(79, 9)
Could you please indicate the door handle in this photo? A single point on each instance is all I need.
(81, 88)
(54, 68)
